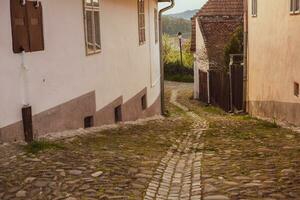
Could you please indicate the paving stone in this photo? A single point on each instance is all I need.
(216, 197)
(75, 172)
(41, 184)
(97, 174)
(21, 194)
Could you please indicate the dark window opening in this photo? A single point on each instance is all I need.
(118, 114)
(89, 122)
(296, 89)
(144, 102)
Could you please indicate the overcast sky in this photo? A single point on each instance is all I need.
(183, 5)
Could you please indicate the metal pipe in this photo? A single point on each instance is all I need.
(24, 71)
(162, 85)
(230, 84)
(26, 109)
(208, 87)
(180, 47)
(245, 59)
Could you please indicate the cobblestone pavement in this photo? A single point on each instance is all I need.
(244, 157)
(197, 152)
(179, 173)
(116, 163)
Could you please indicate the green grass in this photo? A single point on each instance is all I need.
(267, 124)
(39, 146)
(180, 78)
(214, 110)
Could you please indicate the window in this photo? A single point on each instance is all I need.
(92, 26)
(254, 8)
(156, 24)
(295, 6)
(144, 102)
(88, 122)
(27, 26)
(296, 89)
(141, 21)
(118, 114)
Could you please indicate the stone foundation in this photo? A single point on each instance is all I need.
(279, 111)
(70, 115)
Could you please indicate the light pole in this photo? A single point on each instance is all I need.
(179, 35)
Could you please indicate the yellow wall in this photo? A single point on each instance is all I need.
(274, 61)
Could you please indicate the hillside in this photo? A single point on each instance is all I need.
(184, 15)
(173, 25)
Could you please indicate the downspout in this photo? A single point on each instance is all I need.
(245, 76)
(162, 85)
(24, 88)
(26, 109)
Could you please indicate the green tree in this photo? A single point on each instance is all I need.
(172, 26)
(188, 58)
(235, 45)
(171, 57)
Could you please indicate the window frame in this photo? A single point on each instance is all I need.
(254, 8)
(293, 7)
(93, 8)
(141, 22)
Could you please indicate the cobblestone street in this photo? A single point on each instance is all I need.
(196, 152)
(179, 173)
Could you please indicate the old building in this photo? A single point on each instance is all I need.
(76, 63)
(212, 28)
(273, 59)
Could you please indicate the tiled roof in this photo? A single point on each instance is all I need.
(217, 20)
(221, 8)
(216, 35)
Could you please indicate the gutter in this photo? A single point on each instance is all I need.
(162, 85)
(245, 59)
(26, 109)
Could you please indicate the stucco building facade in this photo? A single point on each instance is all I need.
(273, 60)
(96, 65)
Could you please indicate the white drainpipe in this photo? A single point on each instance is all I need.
(24, 88)
(162, 86)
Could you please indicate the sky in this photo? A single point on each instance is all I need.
(183, 5)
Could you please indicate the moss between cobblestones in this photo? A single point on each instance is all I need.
(247, 158)
(244, 158)
(127, 156)
(39, 146)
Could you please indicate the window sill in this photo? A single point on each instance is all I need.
(93, 53)
(295, 13)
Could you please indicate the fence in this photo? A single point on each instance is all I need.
(225, 88)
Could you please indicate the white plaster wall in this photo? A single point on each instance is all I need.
(63, 72)
(201, 59)
(274, 49)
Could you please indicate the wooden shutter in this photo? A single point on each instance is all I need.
(20, 36)
(35, 25)
(27, 26)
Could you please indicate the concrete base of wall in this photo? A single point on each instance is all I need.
(280, 111)
(70, 115)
